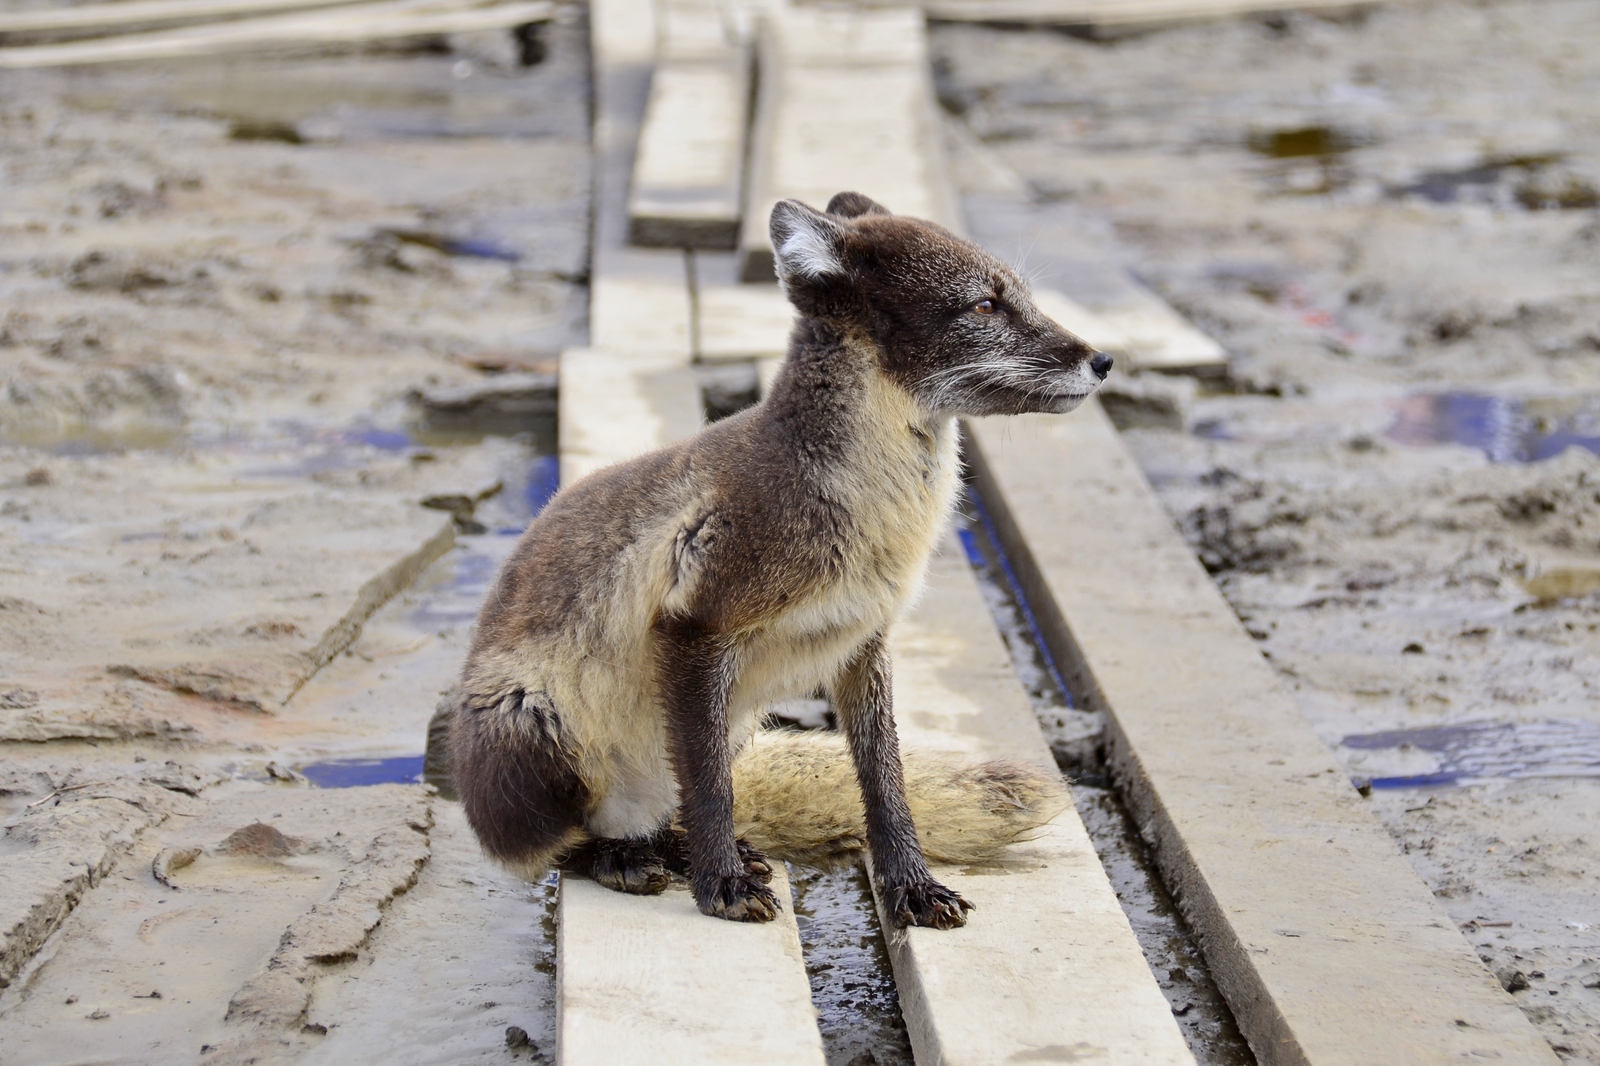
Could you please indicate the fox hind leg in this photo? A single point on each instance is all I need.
(518, 783)
(672, 844)
(623, 865)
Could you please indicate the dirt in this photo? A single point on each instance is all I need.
(248, 308)
(244, 531)
(1395, 486)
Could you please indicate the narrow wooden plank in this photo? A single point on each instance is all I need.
(645, 310)
(742, 322)
(846, 103)
(1078, 319)
(688, 177)
(650, 981)
(1329, 948)
(145, 12)
(1047, 968)
(1112, 14)
(369, 22)
(1158, 338)
(614, 406)
(1141, 327)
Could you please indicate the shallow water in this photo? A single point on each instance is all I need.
(1471, 752)
(852, 986)
(354, 773)
(1507, 429)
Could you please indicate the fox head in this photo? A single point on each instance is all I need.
(952, 325)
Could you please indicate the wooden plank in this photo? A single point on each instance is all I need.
(846, 103)
(1140, 326)
(1158, 338)
(737, 322)
(615, 405)
(1113, 14)
(1047, 968)
(650, 981)
(1329, 948)
(146, 12)
(1076, 318)
(688, 177)
(369, 22)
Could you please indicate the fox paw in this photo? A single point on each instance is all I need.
(755, 862)
(630, 866)
(672, 844)
(741, 898)
(928, 903)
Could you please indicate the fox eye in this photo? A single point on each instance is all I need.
(984, 307)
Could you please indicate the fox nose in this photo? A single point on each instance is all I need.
(1101, 365)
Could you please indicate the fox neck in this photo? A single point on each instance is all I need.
(857, 432)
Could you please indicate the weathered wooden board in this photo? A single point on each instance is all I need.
(1047, 968)
(651, 980)
(368, 22)
(688, 175)
(845, 103)
(742, 322)
(96, 16)
(1158, 338)
(1112, 16)
(1078, 319)
(1329, 948)
(615, 405)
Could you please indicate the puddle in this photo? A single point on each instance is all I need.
(466, 247)
(1506, 429)
(1307, 159)
(354, 773)
(1303, 142)
(852, 986)
(1472, 752)
(1535, 182)
(1169, 947)
(1018, 627)
(510, 404)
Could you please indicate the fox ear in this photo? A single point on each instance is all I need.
(854, 205)
(806, 244)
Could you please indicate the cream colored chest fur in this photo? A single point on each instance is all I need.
(898, 487)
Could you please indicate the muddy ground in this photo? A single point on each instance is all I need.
(242, 304)
(248, 507)
(1390, 220)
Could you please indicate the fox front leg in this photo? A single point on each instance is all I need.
(863, 698)
(695, 673)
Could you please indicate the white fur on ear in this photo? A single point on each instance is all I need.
(804, 242)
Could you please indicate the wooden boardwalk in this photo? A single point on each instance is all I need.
(1048, 969)
(1049, 961)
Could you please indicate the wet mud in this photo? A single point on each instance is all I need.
(277, 340)
(852, 986)
(1389, 220)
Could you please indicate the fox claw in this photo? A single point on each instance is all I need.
(739, 898)
(927, 904)
(630, 866)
